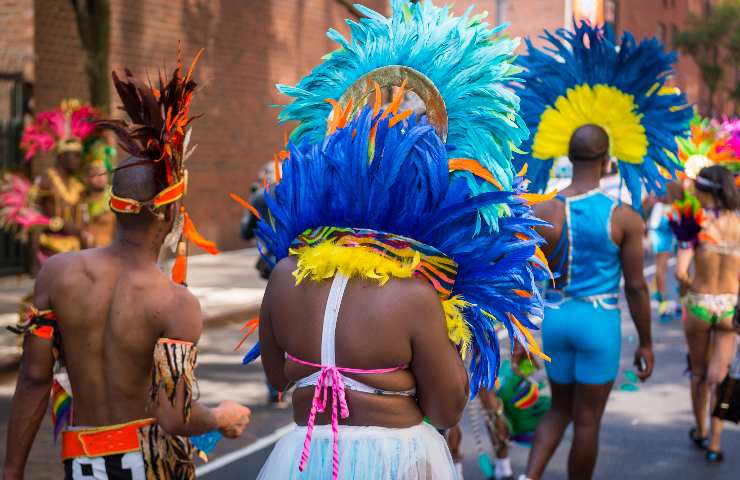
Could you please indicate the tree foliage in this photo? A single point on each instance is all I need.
(713, 41)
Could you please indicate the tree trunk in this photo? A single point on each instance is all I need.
(93, 24)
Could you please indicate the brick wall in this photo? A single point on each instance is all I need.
(525, 17)
(16, 37)
(59, 60)
(662, 20)
(250, 46)
(16, 48)
(248, 50)
(530, 18)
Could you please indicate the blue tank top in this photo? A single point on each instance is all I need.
(594, 266)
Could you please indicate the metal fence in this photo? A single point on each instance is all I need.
(14, 256)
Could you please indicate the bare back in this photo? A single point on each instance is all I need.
(110, 311)
(378, 327)
(717, 271)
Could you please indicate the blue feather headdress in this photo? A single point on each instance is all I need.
(379, 179)
(461, 56)
(405, 189)
(584, 77)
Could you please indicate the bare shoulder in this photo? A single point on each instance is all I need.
(626, 223)
(284, 268)
(281, 277)
(60, 268)
(548, 210)
(416, 301)
(627, 217)
(181, 314)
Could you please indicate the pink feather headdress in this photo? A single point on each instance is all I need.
(731, 130)
(18, 210)
(61, 129)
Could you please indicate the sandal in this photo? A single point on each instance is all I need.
(699, 442)
(714, 457)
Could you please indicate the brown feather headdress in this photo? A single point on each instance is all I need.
(159, 131)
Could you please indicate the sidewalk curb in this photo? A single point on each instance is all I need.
(237, 315)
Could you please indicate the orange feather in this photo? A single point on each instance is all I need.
(180, 269)
(474, 167)
(245, 204)
(533, 198)
(194, 236)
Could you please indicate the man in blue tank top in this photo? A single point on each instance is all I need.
(593, 243)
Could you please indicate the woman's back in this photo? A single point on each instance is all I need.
(378, 327)
(718, 257)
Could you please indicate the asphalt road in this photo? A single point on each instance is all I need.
(644, 433)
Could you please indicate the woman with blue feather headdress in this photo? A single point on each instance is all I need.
(588, 98)
(404, 246)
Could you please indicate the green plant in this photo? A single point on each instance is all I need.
(713, 41)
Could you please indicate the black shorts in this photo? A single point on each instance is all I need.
(127, 466)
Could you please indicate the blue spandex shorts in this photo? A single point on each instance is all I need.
(583, 342)
(662, 239)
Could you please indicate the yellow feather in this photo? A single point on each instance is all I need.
(323, 261)
(602, 105)
(457, 328)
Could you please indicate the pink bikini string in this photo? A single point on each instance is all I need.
(319, 405)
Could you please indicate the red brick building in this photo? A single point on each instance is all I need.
(250, 46)
(644, 18)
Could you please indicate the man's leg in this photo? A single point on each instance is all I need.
(550, 429)
(697, 339)
(589, 402)
(661, 269)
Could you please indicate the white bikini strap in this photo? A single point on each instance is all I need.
(331, 313)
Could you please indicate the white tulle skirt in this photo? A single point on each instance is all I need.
(365, 453)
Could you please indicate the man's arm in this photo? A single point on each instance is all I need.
(186, 324)
(441, 378)
(33, 386)
(635, 287)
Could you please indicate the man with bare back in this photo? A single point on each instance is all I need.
(126, 333)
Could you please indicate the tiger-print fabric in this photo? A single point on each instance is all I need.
(174, 362)
(166, 457)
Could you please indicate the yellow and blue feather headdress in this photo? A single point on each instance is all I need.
(375, 193)
(584, 77)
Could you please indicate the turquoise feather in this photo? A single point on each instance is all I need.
(465, 59)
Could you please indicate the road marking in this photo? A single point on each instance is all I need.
(650, 269)
(231, 457)
(264, 442)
